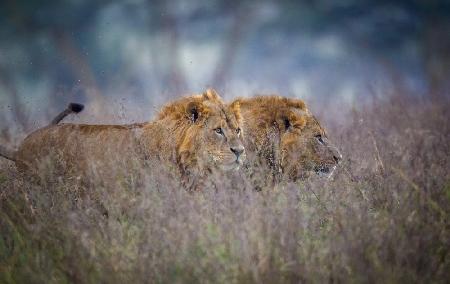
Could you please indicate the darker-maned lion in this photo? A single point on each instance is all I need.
(198, 135)
(284, 141)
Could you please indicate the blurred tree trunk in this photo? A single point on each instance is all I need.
(170, 27)
(436, 56)
(170, 52)
(17, 106)
(78, 64)
(231, 45)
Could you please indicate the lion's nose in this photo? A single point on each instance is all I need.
(238, 150)
(337, 159)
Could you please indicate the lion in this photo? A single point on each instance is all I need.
(198, 135)
(284, 141)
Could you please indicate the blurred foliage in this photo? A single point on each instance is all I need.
(62, 40)
(367, 224)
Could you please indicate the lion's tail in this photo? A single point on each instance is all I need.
(71, 108)
(6, 153)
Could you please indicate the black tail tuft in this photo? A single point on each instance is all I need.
(71, 108)
(76, 108)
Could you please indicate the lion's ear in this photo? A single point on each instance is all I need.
(286, 122)
(293, 118)
(193, 111)
(236, 105)
(297, 118)
(236, 109)
(211, 94)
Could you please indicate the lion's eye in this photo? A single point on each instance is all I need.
(320, 139)
(219, 131)
(238, 131)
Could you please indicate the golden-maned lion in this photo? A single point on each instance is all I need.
(284, 141)
(198, 135)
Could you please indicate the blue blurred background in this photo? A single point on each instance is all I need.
(123, 59)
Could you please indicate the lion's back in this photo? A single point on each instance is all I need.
(77, 147)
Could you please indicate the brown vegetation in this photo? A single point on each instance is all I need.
(383, 217)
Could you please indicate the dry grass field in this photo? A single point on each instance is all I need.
(382, 218)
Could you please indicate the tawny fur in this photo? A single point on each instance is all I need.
(281, 139)
(182, 136)
(194, 146)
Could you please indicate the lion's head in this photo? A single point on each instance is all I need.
(286, 138)
(204, 131)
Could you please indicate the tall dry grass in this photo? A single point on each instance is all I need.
(383, 217)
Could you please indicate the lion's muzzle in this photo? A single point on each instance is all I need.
(337, 156)
(238, 151)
